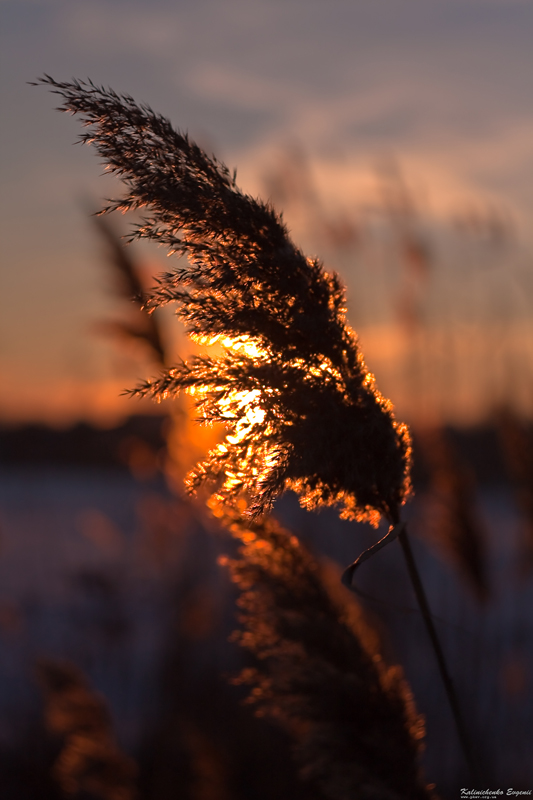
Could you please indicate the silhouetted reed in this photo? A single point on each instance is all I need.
(516, 439)
(90, 763)
(128, 284)
(290, 382)
(320, 674)
(290, 361)
(452, 518)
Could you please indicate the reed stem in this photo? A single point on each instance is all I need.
(437, 649)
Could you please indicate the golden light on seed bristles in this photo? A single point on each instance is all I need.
(287, 379)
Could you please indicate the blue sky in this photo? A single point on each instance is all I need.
(444, 86)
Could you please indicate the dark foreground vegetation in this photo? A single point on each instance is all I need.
(150, 630)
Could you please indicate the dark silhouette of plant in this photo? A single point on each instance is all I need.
(319, 672)
(90, 763)
(452, 518)
(128, 284)
(516, 439)
(291, 384)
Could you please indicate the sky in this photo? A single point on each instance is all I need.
(443, 89)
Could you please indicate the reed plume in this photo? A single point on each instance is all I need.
(516, 438)
(90, 763)
(452, 518)
(319, 673)
(290, 384)
(128, 284)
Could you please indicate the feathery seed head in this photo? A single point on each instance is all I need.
(291, 385)
(319, 672)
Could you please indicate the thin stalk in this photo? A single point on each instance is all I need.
(437, 649)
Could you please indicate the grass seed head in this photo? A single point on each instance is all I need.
(290, 385)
